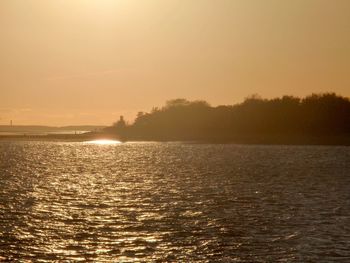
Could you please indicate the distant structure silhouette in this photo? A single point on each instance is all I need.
(121, 123)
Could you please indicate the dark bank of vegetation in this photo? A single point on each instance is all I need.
(319, 118)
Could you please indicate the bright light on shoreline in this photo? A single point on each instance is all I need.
(104, 142)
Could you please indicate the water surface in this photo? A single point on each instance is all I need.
(171, 202)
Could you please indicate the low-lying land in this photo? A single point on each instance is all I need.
(271, 139)
(317, 119)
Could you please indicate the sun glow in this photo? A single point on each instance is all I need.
(99, 4)
(104, 142)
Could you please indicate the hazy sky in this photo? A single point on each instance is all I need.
(88, 61)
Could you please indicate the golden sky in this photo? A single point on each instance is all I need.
(68, 62)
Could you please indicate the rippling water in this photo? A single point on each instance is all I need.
(172, 202)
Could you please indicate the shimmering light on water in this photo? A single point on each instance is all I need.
(173, 202)
(104, 142)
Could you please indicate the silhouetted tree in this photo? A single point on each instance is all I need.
(315, 115)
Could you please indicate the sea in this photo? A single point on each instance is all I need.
(105, 201)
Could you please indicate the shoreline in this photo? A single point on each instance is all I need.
(343, 140)
(59, 137)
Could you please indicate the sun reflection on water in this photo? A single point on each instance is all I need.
(104, 142)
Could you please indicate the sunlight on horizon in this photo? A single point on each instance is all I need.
(104, 142)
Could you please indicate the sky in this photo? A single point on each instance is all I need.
(75, 62)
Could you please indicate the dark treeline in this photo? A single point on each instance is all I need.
(319, 115)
